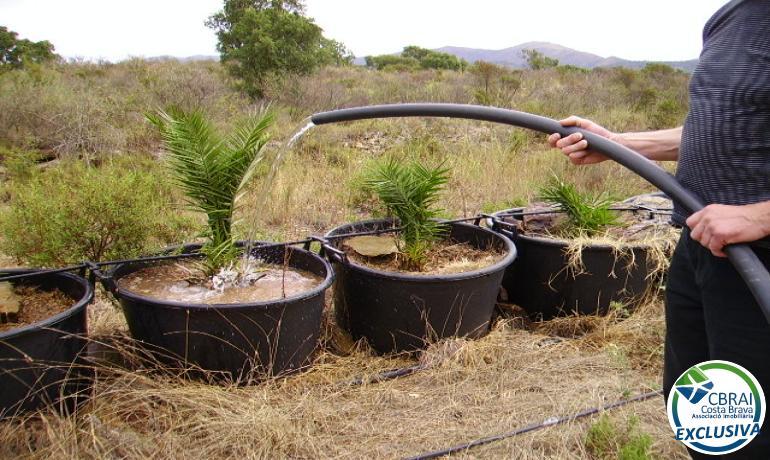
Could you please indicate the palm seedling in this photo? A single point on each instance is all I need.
(587, 214)
(410, 193)
(212, 172)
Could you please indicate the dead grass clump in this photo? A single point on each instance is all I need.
(570, 327)
(657, 245)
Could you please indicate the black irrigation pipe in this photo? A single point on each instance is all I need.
(742, 256)
(636, 209)
(51, 271)
(553, 421)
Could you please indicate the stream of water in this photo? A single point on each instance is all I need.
(263, 196)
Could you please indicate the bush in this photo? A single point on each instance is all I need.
(413, 58)
(390, 61)
(74, 212)
(605, 440)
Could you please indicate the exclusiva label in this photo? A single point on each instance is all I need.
(716, 407)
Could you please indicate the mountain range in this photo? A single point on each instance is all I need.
(513, 57)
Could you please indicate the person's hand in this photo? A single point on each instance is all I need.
(718, 225)
(574, 146)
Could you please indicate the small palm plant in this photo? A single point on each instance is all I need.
(410, 193)
(587, 214)
(212, 171)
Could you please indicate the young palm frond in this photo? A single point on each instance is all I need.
(410, 193)
(212, 172)
(587, 214)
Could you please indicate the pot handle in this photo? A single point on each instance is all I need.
(106, 279)
(505, 228)
(332, 253)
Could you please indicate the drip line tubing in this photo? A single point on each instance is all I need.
(534, 426)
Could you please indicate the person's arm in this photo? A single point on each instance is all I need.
(660, 145)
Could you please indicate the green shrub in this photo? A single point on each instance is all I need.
(537, 60)
(666, 114)
(605, 440)
(75, 212)
(19, 164)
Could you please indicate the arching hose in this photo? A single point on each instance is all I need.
(742, 256)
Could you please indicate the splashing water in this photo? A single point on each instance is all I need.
(298, 135)
(264, 194)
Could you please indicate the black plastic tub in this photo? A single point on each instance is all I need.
(541, 282)
(235, 342)
(42, 363)
(398, 312)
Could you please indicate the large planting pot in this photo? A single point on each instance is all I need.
(542, 282)
(40, 364)
(402, 311)
(234, 341)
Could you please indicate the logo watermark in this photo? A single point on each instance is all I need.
(716, 407)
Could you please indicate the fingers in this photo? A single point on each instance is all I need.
(715, 244)
(694, 220)
(580, 146)
(702, 232)
(553, 139)
(570, 144)
(573, 121)
(570, 140)
(716, 247)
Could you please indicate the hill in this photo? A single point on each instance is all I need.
(512, 57)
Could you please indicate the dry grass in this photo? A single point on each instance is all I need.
(508, 379)
(658, 246)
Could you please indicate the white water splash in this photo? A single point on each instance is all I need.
(264, 193)
(242, 274)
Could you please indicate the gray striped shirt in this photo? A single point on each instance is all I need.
(725, 151)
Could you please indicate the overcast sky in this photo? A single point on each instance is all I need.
(114, 30)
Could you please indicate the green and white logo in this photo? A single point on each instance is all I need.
(716, 407)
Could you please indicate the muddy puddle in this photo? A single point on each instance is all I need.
(183, 282)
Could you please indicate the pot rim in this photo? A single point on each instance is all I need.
(88, 296)
(411, 277)
(266, 304)
(562, 243)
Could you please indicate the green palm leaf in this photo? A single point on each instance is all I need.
(410, 193)
(212, 172)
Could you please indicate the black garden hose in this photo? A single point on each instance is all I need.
(742, 256)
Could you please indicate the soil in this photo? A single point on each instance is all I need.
(36, 305)
(183, 282)
(445, 257)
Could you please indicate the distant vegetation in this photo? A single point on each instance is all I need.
(415, 58)
(537, 60)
